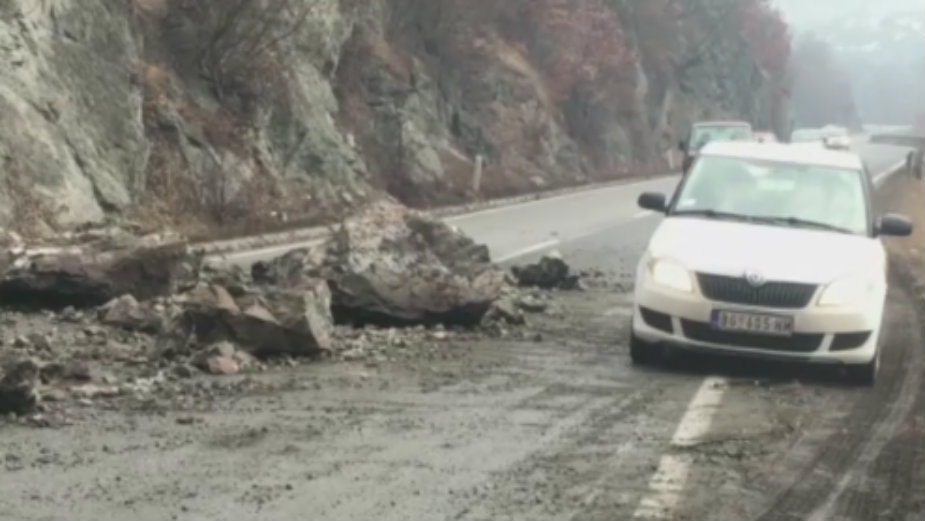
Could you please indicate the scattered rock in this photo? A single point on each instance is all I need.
(184, 371)
(127, 313)
(391, 266)
(234, 278)
(72, 371)
(92, 391)
(40, 341)
(19, 388)
(551, 272)
(505, 310)
(211, 296)
(289, 269)
(222, 365)
(531, 304)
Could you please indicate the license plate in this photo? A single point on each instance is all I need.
(758, 323)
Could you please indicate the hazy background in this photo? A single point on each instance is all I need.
(877, 46)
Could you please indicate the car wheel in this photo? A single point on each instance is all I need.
(641, 352)
(865, 375)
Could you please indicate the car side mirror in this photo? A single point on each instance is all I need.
(894, 225)
(654, 201)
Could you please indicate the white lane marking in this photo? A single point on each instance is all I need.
(644, 213)
(667, 484)
(528, 250)
(881, 177)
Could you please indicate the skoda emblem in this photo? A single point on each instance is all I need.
(754, 278)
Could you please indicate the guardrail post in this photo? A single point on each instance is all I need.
(477, 175)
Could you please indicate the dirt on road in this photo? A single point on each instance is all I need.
(542, 421)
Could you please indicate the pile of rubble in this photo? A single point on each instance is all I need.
(385, 280)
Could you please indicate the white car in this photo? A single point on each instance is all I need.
(767, 250)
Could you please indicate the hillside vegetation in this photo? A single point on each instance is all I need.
(206, 115)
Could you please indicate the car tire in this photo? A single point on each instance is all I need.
(865, 375)
(641, 352)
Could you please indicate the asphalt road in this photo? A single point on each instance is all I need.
(579, 225)
(555, 425)
(571, 223)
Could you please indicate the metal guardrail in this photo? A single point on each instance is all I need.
(313, 236)
(309, 236)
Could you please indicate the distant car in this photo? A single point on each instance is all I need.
(806, 135)
(837, 142)
(704, 132)
(768, 251)
(831, 137)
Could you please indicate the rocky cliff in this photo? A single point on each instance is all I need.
(201, 113)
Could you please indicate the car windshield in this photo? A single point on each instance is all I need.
(775, 193)
(703, 134)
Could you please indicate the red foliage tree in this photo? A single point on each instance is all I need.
(767, 34)
(581, 42)
(768, 37)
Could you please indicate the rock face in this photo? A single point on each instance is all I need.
(391, 266)
(182, 112)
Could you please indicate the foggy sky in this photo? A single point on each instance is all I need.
(806, 12)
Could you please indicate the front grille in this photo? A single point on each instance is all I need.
(797, 343)
(657, 320)
(846, 341)
(736, 290)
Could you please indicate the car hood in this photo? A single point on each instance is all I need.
(779, 253)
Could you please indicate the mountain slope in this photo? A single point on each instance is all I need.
(204, 114)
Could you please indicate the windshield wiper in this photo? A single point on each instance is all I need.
(713, 214)
(796, 221)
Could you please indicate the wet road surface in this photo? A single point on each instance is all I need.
(558, 426)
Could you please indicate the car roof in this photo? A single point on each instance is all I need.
(784, 153)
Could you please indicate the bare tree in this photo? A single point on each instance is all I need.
(241, 41)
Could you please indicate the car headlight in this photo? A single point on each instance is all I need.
(671, 274)
(851, 289)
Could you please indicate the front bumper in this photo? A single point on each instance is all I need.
(821, 335)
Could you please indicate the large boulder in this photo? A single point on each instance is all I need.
(81, 278)
(551, 272)
(393, 266)
(268, 321)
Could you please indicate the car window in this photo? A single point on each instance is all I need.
(703, 134)
(778, 193)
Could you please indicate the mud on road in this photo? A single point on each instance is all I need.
(545, 422)
(555, 426)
